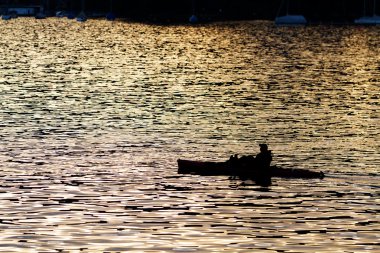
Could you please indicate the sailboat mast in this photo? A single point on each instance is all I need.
(287, 7)
(193, 4)
(374, 7)
(280, 8)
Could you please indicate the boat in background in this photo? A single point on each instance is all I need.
(9, 14)
(193, 19)
(368, 20)
(111, 16)
(289, 19)
(70, 15)
(82, 17)
(374, 20)
(40, 15)
(6, 17)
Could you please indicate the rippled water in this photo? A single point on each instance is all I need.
(94, 116)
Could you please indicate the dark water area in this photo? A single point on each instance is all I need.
(95, 115)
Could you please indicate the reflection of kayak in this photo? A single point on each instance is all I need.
(226, 169)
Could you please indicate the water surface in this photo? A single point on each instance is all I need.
(94, 116)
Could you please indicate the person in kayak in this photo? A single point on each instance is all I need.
(264, 158)
(259, 166)
(262, 166)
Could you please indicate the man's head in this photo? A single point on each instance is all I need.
(263, 147)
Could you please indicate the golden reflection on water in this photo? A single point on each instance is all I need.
(94, 116)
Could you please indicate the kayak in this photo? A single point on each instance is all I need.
(206, 168)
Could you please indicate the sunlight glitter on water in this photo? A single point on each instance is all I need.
(94, 116)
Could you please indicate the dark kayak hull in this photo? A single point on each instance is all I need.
(225, 169)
